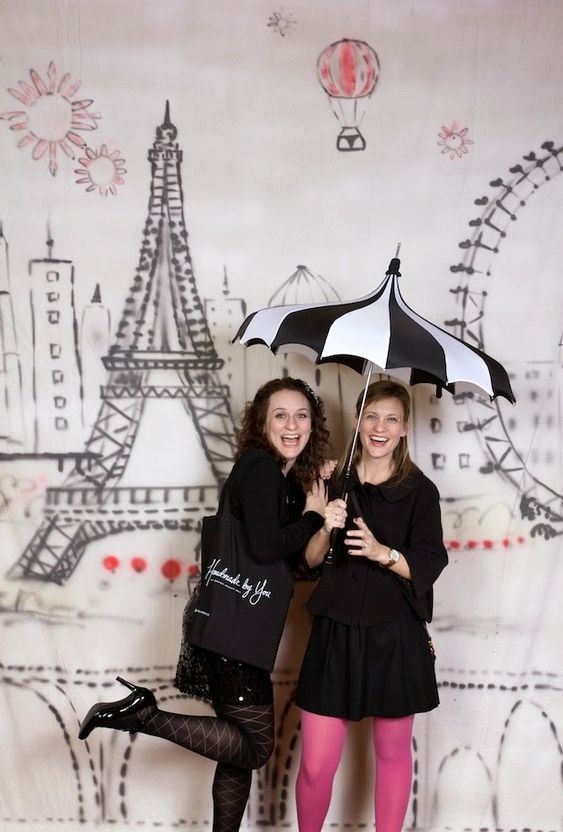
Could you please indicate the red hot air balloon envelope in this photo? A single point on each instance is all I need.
(348, 71)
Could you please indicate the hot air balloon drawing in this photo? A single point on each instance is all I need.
(348, 71)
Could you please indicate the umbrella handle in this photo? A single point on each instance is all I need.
(329, 557)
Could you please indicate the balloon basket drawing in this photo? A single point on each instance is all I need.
(350, 138)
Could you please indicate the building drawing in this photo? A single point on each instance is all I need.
(57, 372)
(11, 416)
(223, 316)
(162, 353)
(95, 326)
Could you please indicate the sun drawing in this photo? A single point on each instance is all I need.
(101, 170)
(282, 22)
(52, 119)
(454, 141)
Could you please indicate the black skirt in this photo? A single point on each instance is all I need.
(219, 679)
(386, 670)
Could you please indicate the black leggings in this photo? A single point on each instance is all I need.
(239, 738)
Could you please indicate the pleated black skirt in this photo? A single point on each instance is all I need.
(386, 670)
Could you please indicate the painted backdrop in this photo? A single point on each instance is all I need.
(167, 167)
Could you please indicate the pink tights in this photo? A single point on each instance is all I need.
(322, 739)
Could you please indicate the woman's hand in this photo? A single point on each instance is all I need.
(327, 468)
(335, 515)
(365, 544)
(316, 498)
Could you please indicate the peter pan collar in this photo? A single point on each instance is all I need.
(390, 491)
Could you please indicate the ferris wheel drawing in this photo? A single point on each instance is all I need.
(508, 448)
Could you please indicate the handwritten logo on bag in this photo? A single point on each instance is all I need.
(250, 591)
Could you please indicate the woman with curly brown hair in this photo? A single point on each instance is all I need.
(273, 490)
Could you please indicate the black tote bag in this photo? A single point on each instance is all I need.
(241, 606)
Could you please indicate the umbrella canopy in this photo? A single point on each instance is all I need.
(379, 329)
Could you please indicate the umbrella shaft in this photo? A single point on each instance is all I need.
(329, 557)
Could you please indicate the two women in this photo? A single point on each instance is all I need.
(274, 491)
(369, 654)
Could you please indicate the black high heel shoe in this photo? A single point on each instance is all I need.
(124, 715)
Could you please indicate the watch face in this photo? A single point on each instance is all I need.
(394, 556)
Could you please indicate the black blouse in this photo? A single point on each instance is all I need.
(406, 517)
(270, 506)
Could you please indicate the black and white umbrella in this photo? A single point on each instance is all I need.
(378, 332)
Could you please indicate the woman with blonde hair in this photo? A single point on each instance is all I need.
(369, 653)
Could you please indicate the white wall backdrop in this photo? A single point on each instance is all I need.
(101, 493)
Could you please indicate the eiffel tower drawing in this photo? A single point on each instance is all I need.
(162, 328)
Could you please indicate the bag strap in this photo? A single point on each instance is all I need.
(224, 505)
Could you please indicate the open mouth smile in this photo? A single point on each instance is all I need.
(290, 439)
(378, 441)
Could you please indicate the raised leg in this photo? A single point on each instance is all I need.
(242, 737)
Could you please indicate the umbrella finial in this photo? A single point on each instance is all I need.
(394, 265)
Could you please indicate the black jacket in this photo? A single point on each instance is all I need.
(406, 517)
(270, 507)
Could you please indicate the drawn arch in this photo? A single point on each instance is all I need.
(529, 735)
(31, 744)
(452, 805)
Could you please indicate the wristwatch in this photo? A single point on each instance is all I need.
(393, 558)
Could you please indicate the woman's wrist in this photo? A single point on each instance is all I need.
(382, 556)
(390, 557)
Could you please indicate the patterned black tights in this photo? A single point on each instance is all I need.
(231, 787)
(240, 738)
